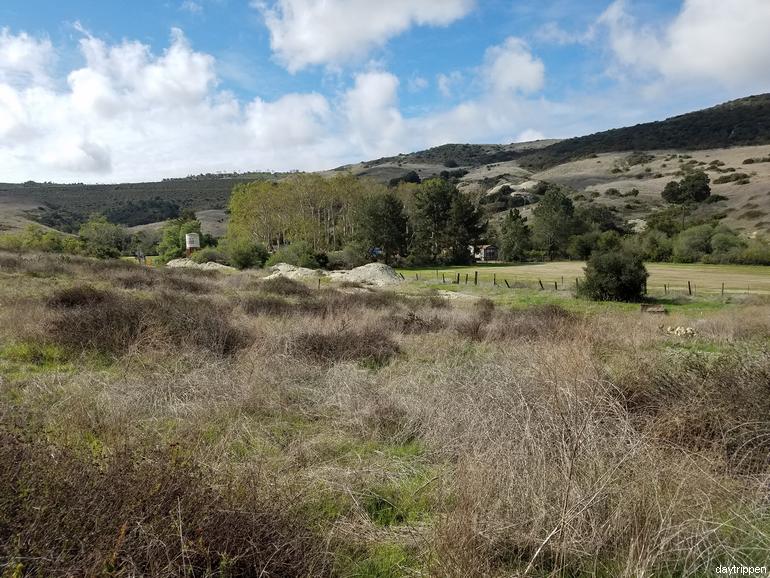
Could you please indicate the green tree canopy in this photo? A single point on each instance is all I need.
(515, 237)
(553, 222)
(614, 276)
(383, 223)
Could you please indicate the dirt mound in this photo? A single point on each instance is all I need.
(292, 272)
(375, 274)
(190, 264)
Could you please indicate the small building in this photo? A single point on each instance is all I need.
(484, 253)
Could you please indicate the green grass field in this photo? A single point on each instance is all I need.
(705, 279)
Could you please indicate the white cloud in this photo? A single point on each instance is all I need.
(292, 120)
(23, 58)
(709, 41)
(128, 114)
(375, 124)
(529, 135)
(447, 82)
(417, 84)
(191, 7)
(511, 67)
(551, 32)
(331, 32)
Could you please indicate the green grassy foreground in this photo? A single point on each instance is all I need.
(169, 422)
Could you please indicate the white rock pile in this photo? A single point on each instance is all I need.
(190, 264)
(680, 331)
(373, 274)
(292, 272)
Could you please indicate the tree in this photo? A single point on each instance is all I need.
(614, 276)
(553, 222)
(655, 245)
(693, 244)
(515, 237)
(672, 193)
(172, 243)
(693, 188)
(383, 224)
(104, 239)
(445, 223)
(464, 229)
(433, 204)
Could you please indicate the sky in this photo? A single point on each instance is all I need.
(119, 90)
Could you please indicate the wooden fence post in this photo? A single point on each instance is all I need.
(458, 278)
(555, 285)
(466, 278)
(723, 289)
(506, 283)
(494, 279)
(689, 288)
(541, 284)
(443, 278)
(475, 277)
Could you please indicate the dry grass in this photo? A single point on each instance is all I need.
(279, 430)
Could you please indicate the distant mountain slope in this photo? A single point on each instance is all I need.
(450, 155)
(742, 122)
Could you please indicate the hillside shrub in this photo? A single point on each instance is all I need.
(614, 276)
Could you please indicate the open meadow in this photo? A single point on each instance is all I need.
(706, 279)
(166, 423)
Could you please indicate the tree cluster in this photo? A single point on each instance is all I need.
(346, 220)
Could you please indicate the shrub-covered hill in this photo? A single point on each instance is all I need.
(742, 122)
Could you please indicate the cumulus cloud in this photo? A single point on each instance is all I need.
(331, 32)
(552, 32)
(511, 67)
(447, 82)
(709, 41)
(24, 59)
(374, 122)
(129, 114)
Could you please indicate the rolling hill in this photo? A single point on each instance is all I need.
(624, 168)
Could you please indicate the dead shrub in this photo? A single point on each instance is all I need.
(79, 296)
(473, 324)
(140, 279)
(539, 322)
(702, 402)
(177, 282)
(364, 345)
(412, 323)
(145, 513)
(285, 286)
(86, 318)
(338, 302)
(10, 263)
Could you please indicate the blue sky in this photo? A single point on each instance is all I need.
(101, 91)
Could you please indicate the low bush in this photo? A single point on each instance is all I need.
(147, 514)
(374, 346)
(86, 318)
(285, 286)
(614, 276)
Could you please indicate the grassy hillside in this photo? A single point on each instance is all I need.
(65, 206)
